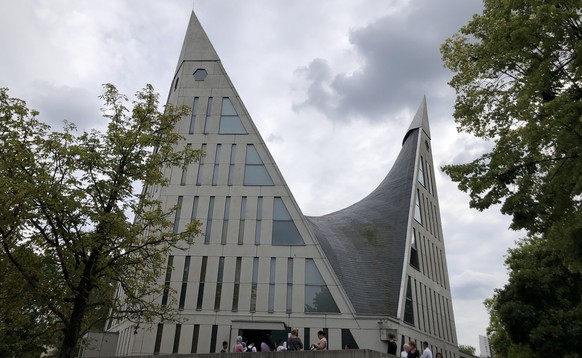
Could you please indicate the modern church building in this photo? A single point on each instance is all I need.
(374, 269)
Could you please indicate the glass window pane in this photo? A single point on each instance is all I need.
(253, 155)
(280, 211)
(257, 175)
(319, 299)
(312, 275)
(227, 108)
(231, 125)
(286, 233)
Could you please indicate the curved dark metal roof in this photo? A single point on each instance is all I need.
(366, 242)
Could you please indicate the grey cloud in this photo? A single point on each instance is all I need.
(401, 63)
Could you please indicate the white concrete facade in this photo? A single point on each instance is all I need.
(259, 267)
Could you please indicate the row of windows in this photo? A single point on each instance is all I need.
(317, 297)
(422, 206)
(347, 339)
(426, 178)
(229, 120)
(255, 172)
(284, 230)
(431, 259)
(434, 310)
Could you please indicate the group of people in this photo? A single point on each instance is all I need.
(293, 343)
(409, 351)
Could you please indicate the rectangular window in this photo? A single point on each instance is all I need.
(184, 283)
(306, 335)
(213, 338)
(202, 281)
(289, 285)
(231, 165)
(209, 221)
(254, 284)
(208, 115)
(158, 342)
(193, 117)
(224, 236)
(236, 284)
(216, 165)
(243, 214)
(185, 168)
(273, 267)
(259, 220)
(194, 209)
(200, 176)
(177, 215)
(219, 276)
(417, 212)
(195, 335)
(177, 338)
(169, 270)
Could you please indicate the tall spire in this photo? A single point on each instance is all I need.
(420, 119)
(197, 45)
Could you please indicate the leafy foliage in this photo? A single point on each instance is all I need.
(519, 84)
(467, 349)
(539, 306)
(66, 240)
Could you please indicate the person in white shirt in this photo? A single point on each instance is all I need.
(426, 353)
(405, 350)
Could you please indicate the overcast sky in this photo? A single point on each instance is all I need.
(332, 86)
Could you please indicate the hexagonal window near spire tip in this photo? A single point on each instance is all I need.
(200, 74)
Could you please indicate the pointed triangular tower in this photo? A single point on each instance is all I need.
(262, 267)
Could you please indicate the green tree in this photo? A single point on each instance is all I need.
(467, 349)
(65, 236)
(518, 80)
(539, 306)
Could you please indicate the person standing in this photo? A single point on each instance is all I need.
(392, 345)
(238, 347)
(224, 347)
(426, 353)
(405, 350)
(322, 344)
(294, 342)
(413, 353)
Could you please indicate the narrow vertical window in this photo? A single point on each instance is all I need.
(209, 221)
(254, 284)
(243, 214)
(193, 117)
(224, 236)
(168, 280)
(195, 334)
(208, 115)
(200, 176)
(177, 338)
(158, 342)
(184, 283)
(417, 212)
(259, 220)
(216, 165)
(408, 305)
(236, 284)
(202, 281)
(289, 307)
(307, 336)
(184, 176)
(231, 165)
(219, 276)
(421, 171)
(177, 214)
(273, 267)
(213, 338)
(414, 250)
(194, 213)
